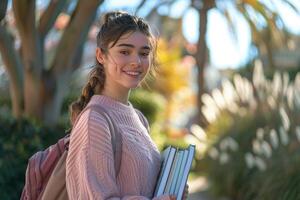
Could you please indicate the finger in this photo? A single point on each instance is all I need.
(172, 197)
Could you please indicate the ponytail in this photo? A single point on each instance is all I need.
(94, 85)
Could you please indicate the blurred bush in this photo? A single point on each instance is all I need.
(19, 140)
(152, 105)
(252, 142)
(149, 103)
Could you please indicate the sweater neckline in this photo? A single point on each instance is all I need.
(110, 103)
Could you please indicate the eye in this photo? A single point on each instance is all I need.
(124, 52)
(145, 54)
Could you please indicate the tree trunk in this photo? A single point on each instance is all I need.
(201, 57)
(67, 59)
(12, 64)
(31, 56)
(13, 67)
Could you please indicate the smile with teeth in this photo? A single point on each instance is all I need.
(132, 73)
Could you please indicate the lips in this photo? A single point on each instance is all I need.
(132, 73)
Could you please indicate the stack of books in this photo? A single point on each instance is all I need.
(174, 172)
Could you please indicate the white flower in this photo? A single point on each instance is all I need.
(285, 119)
(258, 74)
(250, 161)
(285, 81)
(238, 81)
(271, 102)
(260, 163)
(276, 84)
(260, 134)
(274, 138)
(256, 147)
(232, 144)
(297, 98)
(198, 132)
(266, 149)
(224, 144)
(224, 158)
(283, 136)
(213, 153)
(229, 93)
(218, 98)
(209, 114)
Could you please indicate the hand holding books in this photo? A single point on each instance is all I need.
(174, 171)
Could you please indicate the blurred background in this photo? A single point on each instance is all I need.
(227, 82)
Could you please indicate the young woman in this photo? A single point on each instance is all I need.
(125, 53)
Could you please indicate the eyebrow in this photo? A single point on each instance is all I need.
(132, 46)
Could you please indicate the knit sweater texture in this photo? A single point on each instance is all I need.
(90, 170)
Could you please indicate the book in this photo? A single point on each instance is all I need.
(174, 171)
(167, 157)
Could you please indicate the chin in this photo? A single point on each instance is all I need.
(132, 85)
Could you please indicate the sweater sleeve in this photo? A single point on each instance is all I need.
(90, 170)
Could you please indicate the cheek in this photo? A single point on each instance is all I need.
(146, 64)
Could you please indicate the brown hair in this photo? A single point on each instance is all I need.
(113, 26)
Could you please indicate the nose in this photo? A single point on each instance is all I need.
(136, 61)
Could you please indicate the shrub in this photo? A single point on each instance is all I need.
(18, 142)
(253, 137)
(149, 103)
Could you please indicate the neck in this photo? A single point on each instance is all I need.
(121, 95)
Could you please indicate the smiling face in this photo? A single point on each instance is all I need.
(127, 62)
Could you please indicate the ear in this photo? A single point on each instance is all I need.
(100, 55)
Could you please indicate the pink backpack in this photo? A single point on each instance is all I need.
(45, 173)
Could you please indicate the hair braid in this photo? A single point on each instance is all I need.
(94, 85)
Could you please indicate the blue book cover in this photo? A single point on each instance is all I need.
(168, 157)
(187, 168)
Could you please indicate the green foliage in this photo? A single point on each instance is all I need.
(254, 138)
(149, 103)
(19, 140)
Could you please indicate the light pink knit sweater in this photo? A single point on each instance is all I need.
(90, 171)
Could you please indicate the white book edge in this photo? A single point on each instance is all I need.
(174, 177)
(172, 173)
(181, 170)
(186, 171)
(165, 155)
(166, 172)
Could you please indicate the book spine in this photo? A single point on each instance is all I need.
(175, 178)
(166, 172)
(181, 169)
(191, 153)
(172, 173)
(164, 155)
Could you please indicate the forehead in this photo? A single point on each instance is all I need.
(136, 39)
